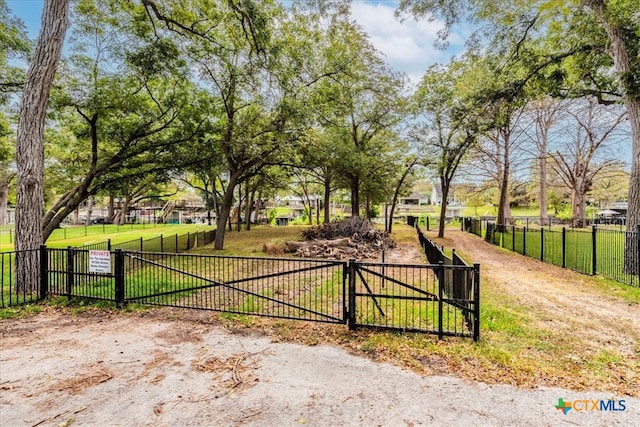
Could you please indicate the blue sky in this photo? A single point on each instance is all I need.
(407, 46)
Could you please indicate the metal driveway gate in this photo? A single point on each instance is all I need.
(438, 299)
(299, 289)
(435, 298)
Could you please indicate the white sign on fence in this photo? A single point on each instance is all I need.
(99, 262)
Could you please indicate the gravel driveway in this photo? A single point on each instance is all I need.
(58, 369)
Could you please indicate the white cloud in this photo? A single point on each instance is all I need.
(407, 46)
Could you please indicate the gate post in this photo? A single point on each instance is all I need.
(564, 247)
(352, 294)
(119, 278)
(593, 249)
(542, 244)
(441, 276)
(44, 273)
(70, 270)
(476, 300)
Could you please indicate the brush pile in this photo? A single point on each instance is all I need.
(350, 238)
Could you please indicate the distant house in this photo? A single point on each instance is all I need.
(414, 199)
(436, 195)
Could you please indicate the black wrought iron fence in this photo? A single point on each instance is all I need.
(458, 284)
(441, 299)
(172, 243)
(14, 289)
(605, 251)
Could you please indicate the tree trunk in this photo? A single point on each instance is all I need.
(355, 197)
(444, 184)
(579, 205)
(327, 201)
(30, 141)
(225, 211)
(632, 249)
(87, 220)
(122, 215)
(258, 206)
(620, 53)
(542, 192)
(367, 206)
(110, 209)
(248, 198)
(503, 204)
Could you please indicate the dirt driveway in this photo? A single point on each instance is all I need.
(169, 368)
(135, 370)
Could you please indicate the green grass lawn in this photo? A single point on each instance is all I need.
(547, 245)
(86, 235)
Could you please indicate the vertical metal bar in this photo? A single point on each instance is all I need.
(440, 296)
(70, 268)
(524, 241)
(476, 301)
(513, 238)
(564, 247)
(542, 244)
(44, 274)
(176, 250)
(141, 244)
(352, 294)
(109, 245)
(161, 244)
(119, 278)
(593, 249)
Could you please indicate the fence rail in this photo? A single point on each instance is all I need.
(611, 253)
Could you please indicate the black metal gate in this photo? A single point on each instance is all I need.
(299, 289)
(439, 299)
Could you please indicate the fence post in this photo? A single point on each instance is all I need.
(564, 247)
(109, 245)
(428, 223)
(176, 242)
(351, 309)
(476, 300)
(440, 296)
(513, 238)
(593, 249)
(188, 246)
(141, 244)
(44, 273)
(541, 244)
(70, 270)
(119, 278)
(524, 241)
(161, 244)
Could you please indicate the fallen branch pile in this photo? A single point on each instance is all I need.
(350, 238)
